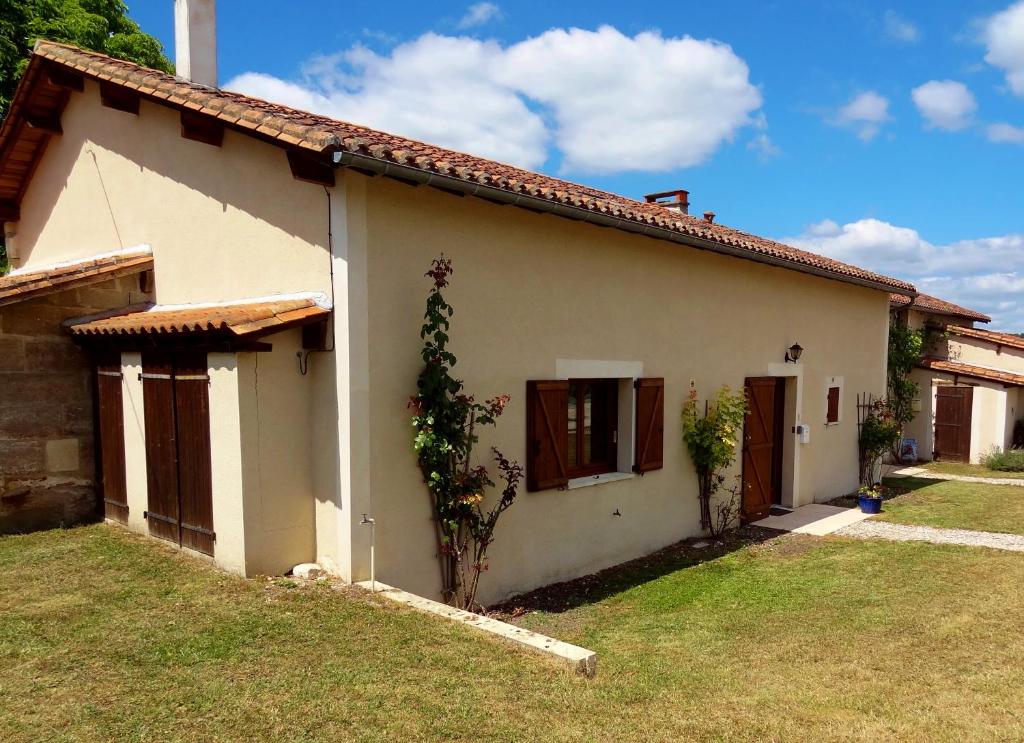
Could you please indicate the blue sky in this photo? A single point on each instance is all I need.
(888, 135)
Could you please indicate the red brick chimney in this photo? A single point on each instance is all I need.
(677, 200)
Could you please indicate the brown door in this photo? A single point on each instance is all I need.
(110, 417)
(195, 487)
(176, 403)
(953, 423)
(762, 446)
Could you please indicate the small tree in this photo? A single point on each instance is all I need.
(711, 439)
(445, 419)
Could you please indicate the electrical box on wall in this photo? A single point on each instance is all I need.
(803, 432)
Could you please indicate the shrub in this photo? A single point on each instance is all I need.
(879, 432)
(711, 440)
(1004, 461)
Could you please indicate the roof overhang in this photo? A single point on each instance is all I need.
(23, 285)
(970, 371)
(234, 325)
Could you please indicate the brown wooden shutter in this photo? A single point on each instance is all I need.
(110, 414)
(650, 425)
(547, 434)
(195, 483)
(162, 511)
(833, 405)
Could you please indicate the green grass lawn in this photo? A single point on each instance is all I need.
(972, 470)
(107, 636)
(952, 504)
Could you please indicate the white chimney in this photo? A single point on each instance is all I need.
(195, 41)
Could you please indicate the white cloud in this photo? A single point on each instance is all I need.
(899, 28)
(865, 113)
(609, 102)
(478, 14)
(985, 274)
(765, 148)
(1003, 35)
(945, 104)
(1005, 134)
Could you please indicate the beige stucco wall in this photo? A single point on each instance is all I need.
(224, 223)
(532, 289)
(989, 415)
(276, 408)
(982, 353)
(922, 427)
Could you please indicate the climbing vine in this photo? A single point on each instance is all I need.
(711, 439)
(446, 420)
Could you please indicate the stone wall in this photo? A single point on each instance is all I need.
(47, 449)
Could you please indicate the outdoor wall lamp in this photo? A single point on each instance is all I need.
(794, 352)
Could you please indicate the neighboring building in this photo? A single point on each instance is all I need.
(254, 408)
(970, 381)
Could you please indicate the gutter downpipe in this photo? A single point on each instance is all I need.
(406, 173)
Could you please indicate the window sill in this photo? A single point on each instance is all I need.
(584, 482)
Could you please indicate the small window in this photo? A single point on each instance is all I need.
(593, 419)
(832, 416)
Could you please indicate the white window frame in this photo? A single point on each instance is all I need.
(626, 372)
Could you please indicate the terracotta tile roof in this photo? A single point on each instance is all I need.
(938, 306)
(20, 286)
(237, 320)
(318, 134)
(975, 372)
(992, 336)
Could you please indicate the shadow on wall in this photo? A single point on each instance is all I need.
(244, 174)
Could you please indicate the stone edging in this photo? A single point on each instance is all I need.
(581, 660)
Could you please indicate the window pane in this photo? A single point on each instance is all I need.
(573, 392)
(600, 424)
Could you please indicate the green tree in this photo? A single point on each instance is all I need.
(99, 25)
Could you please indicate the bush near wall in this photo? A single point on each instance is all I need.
(1005, 461)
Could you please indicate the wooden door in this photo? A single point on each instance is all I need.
(195, 487)
(110, 430)
(162, 510)
(762, 446)
(953, 423)
(177, 411)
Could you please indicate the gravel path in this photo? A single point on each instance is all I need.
(929, 475)
(906, 533)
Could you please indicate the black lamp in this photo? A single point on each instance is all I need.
(794, 352)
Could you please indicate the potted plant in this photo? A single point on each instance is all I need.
(869, 498)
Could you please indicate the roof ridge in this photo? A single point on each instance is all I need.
(324, 134)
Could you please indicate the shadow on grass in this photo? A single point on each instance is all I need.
(894, 488)
(589, 589)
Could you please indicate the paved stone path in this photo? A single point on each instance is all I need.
(930, 475)
(907, 533)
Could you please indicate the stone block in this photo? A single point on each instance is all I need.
(12, 354)
(38, 507)
(76, 419)
(20, 459)
(34, 319)
(25, 419)
(62, 455)
(66, 387)
(54, 354)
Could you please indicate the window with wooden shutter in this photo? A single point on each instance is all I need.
(650, 425)
(547, 434)
(832, 415)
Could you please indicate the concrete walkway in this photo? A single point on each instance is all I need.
(932, 475)
(816, 518)
(911, 533)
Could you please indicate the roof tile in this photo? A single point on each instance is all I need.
(323, 134)
(22, 286)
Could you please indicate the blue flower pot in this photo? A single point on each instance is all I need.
(869, 504)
